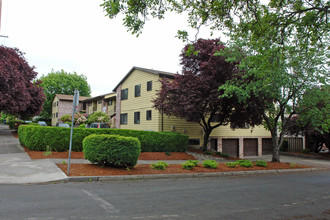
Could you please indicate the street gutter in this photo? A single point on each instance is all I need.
(184, 175)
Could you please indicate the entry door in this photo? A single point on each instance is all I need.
(214, 144)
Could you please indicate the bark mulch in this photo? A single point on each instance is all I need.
(95, 170)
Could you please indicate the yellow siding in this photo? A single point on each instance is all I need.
(192, 129)
(99, 106)
(112, 108)
(54, 111)
(195, 131)
(140, 104)
(226, 131)
(90, 109)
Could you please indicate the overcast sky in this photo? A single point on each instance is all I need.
(75, 35)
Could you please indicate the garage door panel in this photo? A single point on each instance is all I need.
(250, 146)
(230, 147)
(267, 147)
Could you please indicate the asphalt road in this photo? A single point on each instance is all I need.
(282, 196)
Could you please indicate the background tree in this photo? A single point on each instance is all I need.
(285, 45)
(313, 120)
(61, 82)
(18, 94)
(194, 95)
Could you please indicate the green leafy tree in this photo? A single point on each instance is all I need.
(285, 45)
(61, 82)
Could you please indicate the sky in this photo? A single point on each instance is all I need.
(76, 36)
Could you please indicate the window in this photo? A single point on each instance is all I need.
(148, 116)
(56, 114)
(123, 119)
(194, 142)
(136, 117)
(99, 101)
(124, 94)
(149, 86)
(110, 102)
(57, 103)
(137, 90)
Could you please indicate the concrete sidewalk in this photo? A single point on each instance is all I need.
(16, 167)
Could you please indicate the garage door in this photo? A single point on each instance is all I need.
(250, 146)
(267, 147)
(230, 147)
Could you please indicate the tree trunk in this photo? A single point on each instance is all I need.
(276, 147)
(206, 140)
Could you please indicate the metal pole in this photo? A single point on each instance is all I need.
(75, 105)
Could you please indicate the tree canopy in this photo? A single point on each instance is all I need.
(61, 82)
(194, 95)
(285, 44)
(18, 94)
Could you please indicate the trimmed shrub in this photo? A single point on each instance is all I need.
(112, 150)
(221, 154)
(58, 138)
(232, 164)
(245, 163)
(208, 152)
(82, 126)
(188, 165)
(160, 165)
(210, 164)
(261, 163)
(306, 151)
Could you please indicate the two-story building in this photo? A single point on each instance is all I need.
(134, 110)
(103, 103)
(62, 105)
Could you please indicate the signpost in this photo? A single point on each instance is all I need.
(75, 106)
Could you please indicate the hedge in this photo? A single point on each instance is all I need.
(58, 138)
(112, 150)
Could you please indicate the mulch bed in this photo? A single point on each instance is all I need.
(95, 170)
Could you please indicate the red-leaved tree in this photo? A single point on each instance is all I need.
(194, 95)
(18, 94)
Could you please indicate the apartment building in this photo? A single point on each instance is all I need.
(103, 103)
(62, 105)
(134, 110)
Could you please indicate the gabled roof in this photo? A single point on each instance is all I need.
(157, 72)
(70, 97)
(99, 97)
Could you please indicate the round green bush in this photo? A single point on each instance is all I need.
(112, 150)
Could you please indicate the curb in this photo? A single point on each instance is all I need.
(185, 175)
(302, 156)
